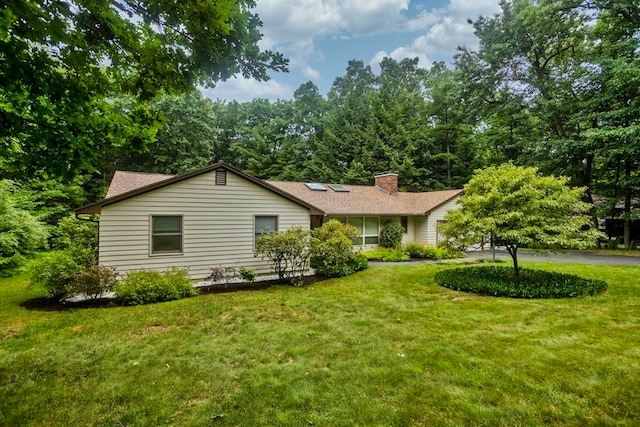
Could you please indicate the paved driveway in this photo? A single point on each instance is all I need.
(570, 257)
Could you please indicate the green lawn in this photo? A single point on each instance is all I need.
(384, 347)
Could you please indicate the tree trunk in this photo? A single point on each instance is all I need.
(513, 251)
(627, 204)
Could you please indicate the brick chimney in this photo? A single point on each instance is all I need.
(387, 181)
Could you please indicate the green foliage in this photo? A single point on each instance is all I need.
(63, 61)
(80, 238)
(391, 235)
(247, 274)
(93, 281)
(386, 255)
(417, 250)
(332, 252)
(633, 246)
(288, 252)
(517, 207)
(612, 244)
(148, 287)
(20, 231)
(55, 274)
(501, 281)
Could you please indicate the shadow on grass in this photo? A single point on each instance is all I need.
(51, 304)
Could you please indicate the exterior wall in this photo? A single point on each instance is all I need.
(218, 225)
(425, 227)
(407, 237)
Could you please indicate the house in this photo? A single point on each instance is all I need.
(213, 216)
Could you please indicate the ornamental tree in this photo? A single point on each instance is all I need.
(517, 207)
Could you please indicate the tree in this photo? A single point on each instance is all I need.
(20, 231)
(517, 207)
(63, 62)
(185, 142)
(534, 57)
(615, 104)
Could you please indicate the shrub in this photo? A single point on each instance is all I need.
(391, 235)
(55, 274)
(332, 252)
(501, 281)
(633, 246)
(247, 274)
(613, 244)
(288, 252)
(80, 238)
(220, 274)
(387, 255)
(147, 286)
(93, 281)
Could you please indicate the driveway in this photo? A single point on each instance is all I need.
(569, 257)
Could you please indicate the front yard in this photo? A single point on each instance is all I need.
(386, 346)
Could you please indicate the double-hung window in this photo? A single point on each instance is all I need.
(166, 234)
(264, 224)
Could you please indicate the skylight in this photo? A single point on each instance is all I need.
(339, 188)
(315, 186)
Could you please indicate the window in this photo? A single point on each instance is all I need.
(166, 234)
(368, 227)
(404, 221)
(264, 224)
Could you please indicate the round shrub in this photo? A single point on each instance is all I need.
(55, 274)
(147, 286)
(332, 252)
(391, 235)
(501, 281)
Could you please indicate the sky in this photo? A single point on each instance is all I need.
(320, 37)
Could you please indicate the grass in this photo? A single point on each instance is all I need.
(384, 347)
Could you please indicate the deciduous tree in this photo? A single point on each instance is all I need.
(517, 207)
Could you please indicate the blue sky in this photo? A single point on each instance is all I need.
(320, 36)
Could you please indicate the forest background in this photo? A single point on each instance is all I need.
(553, 85)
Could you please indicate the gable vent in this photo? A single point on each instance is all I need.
(221, 177)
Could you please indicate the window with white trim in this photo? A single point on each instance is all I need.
(368, 227)
(166, 234)
(264, 224)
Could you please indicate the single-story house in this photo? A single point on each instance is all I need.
(212, 217)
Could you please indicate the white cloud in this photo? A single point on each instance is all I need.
(444, 30)
(293, 26)
(287, 21)
(244, 90)
(399, 54)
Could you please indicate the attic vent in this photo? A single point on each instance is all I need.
(221, 177)
(339, 188)
(315, 186)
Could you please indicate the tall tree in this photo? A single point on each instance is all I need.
(62, 60)
(615, 105)
(532, 57)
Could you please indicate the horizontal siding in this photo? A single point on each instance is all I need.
(218, 225)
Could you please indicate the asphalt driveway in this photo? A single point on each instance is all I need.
(569, 257)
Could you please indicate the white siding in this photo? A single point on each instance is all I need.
(407, 237)
(426, 226)
(218, 223)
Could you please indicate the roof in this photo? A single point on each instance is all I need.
(367, 200)
(126, 185)
(123, 181)
(358, 200)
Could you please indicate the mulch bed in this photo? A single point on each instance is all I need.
(48, 304)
